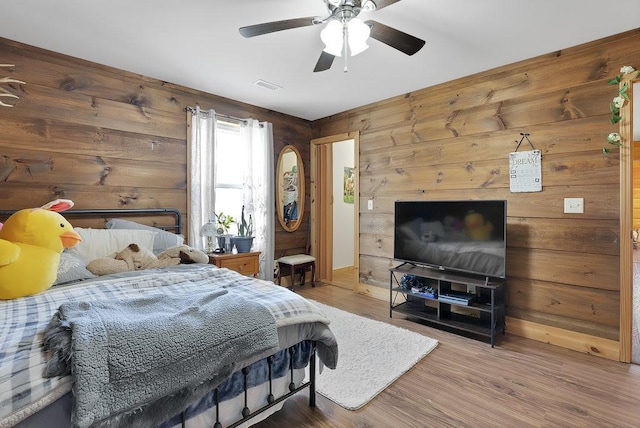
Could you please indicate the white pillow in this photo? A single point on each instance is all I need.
(71, 269)
(163, 239)
(98, 243)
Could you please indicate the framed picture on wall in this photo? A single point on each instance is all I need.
(349, 185)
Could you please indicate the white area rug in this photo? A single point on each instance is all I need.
(371, 355)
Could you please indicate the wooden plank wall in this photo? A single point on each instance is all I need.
(452, 141)
(106, 138)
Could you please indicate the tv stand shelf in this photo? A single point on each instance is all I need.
(475, 305)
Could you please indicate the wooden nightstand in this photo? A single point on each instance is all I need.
(244, 263)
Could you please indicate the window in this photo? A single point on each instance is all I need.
(230, 156)
(241, 155)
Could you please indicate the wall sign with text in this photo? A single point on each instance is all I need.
(525, 171)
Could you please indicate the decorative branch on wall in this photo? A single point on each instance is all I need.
(5, 93)
(617, 103)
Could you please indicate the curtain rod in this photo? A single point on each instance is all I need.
(226, 116)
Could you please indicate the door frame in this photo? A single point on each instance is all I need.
(626, 224)
(321, 210)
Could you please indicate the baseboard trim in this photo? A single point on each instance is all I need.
(581, 342)
(344, 270)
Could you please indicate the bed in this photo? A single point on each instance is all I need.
(187, 345)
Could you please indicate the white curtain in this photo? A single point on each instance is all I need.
(259, 191)
(201, 173)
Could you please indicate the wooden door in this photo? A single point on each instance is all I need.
(322, 204)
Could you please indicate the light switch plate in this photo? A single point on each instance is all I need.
(370, 204)
(574, 205)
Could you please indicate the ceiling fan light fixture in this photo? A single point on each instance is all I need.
(332, 37)
(358, 34)
(344, 33)
(369, 6)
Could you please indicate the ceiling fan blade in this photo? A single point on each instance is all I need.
(397, 39)
(383, 3)
(271, 27)
(324, 62)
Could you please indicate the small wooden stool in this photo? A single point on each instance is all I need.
(294, 263)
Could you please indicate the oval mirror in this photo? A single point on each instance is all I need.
(290, 188)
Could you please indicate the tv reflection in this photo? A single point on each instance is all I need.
(470, 243)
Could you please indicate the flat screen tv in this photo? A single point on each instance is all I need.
(465, 236)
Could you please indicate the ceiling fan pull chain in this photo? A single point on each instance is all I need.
(345, 40)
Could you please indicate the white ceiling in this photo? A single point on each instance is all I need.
(196, 43)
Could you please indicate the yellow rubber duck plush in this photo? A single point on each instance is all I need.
(31, 241)
(476, 227)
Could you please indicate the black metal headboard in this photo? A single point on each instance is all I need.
(106, 213)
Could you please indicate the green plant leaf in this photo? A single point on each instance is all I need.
(623, 91)
(615, 119)
(605, 151)
(614, 81)
(224, 220)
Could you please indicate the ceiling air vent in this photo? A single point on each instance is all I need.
(267, 85)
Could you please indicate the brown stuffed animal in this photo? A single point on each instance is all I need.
(138, 258)
(133, 257)
(182, 254)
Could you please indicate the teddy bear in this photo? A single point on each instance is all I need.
(133, 257)
(182, 254)
(136, 257)
(476, 227)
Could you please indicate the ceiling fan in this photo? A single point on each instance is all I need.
(345, 32)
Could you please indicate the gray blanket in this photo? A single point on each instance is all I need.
(139, 361)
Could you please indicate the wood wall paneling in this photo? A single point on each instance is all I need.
(452, 141)
(107, 138)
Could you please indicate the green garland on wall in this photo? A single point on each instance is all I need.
(616, 104)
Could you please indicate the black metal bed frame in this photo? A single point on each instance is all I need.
(271, 400)
(105, 213)
(246, 412)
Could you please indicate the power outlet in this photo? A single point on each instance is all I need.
(574, 205)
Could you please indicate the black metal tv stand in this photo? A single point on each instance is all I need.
(458, 302)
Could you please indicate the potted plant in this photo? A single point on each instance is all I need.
(223, 223)
(244, 240)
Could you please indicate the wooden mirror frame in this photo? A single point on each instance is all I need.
(283, 199)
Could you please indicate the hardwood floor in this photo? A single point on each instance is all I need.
(466, 383)
(345, 278)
